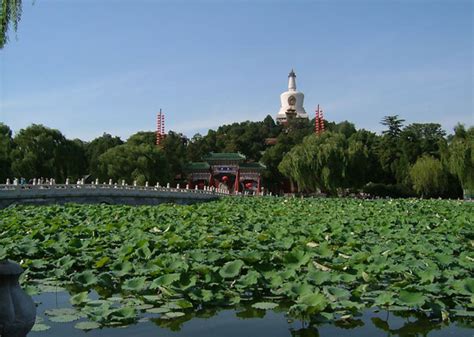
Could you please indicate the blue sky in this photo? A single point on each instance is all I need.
(88, 67)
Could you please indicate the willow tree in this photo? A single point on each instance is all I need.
(428, 176)
(461, 157)
(10, 14)
(320, 162)
(293, 166)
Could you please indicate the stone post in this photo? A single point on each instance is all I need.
(134, 183)
(67, 181)
(15, 181)
(168, 185)
(110, 181)
(8, 181)
(123, 182)
(146, 183)
(177, 186)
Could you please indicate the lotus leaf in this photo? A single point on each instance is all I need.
(231, 269)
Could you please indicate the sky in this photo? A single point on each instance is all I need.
(87, 67)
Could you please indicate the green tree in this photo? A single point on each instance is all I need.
(10, 15)
(76, 164)
(344, 127)
(389, 152)
(196, 148)
(174, 148)
(132, 162)
(362, 162)
(5, 152)
(428, 176)
(418, 139)
(394, 125)
(96, 148)
(320, 162)
(461, 157)
(142, 137)
(40, 152)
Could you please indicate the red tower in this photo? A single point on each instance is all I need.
(319, 121)
(160, 127)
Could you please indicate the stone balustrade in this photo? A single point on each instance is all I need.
(47, 192)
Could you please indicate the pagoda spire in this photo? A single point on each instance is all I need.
(292, 81)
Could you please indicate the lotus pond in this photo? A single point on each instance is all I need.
(394, 267)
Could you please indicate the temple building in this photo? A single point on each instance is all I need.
(226, 170)
(291, 105)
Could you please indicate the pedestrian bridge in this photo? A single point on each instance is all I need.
(42, 194)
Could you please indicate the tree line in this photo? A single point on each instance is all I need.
(405, 160)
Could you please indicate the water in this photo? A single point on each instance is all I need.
(250, 322)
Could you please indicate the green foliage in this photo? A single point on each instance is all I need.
(394, 126)
(320, 162)
(428, 176)
(247, 138)
(10, 15)
(40, 152)
(326, 256)
(345, 127)
(96, 148)
(6, 143)
(231, 269)
(134, 162)
(461, 157)
(174, 148)
(340, 160)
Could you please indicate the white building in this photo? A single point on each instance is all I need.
(291, 102)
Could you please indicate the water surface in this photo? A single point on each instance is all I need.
(249, 322)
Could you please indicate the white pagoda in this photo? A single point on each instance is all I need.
(291, 102)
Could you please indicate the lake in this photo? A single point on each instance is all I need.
(247, 321)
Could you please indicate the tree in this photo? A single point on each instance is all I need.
(428, 176)
(320, 162)
(394, 125)
(76, 164)
(461, 157)
(130, 162)
(418, 139)
(142, 137)
(5, 152)
(10, 15)
(344, 127)
(363, 164)
(389, 152)
(96, 148)
(40, 152)
(174, 149)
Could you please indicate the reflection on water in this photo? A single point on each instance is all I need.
(243, 320)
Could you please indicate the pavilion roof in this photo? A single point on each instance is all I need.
(195, 166)
(252, 167)
(224, 156)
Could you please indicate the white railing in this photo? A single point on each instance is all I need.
(51, 185)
